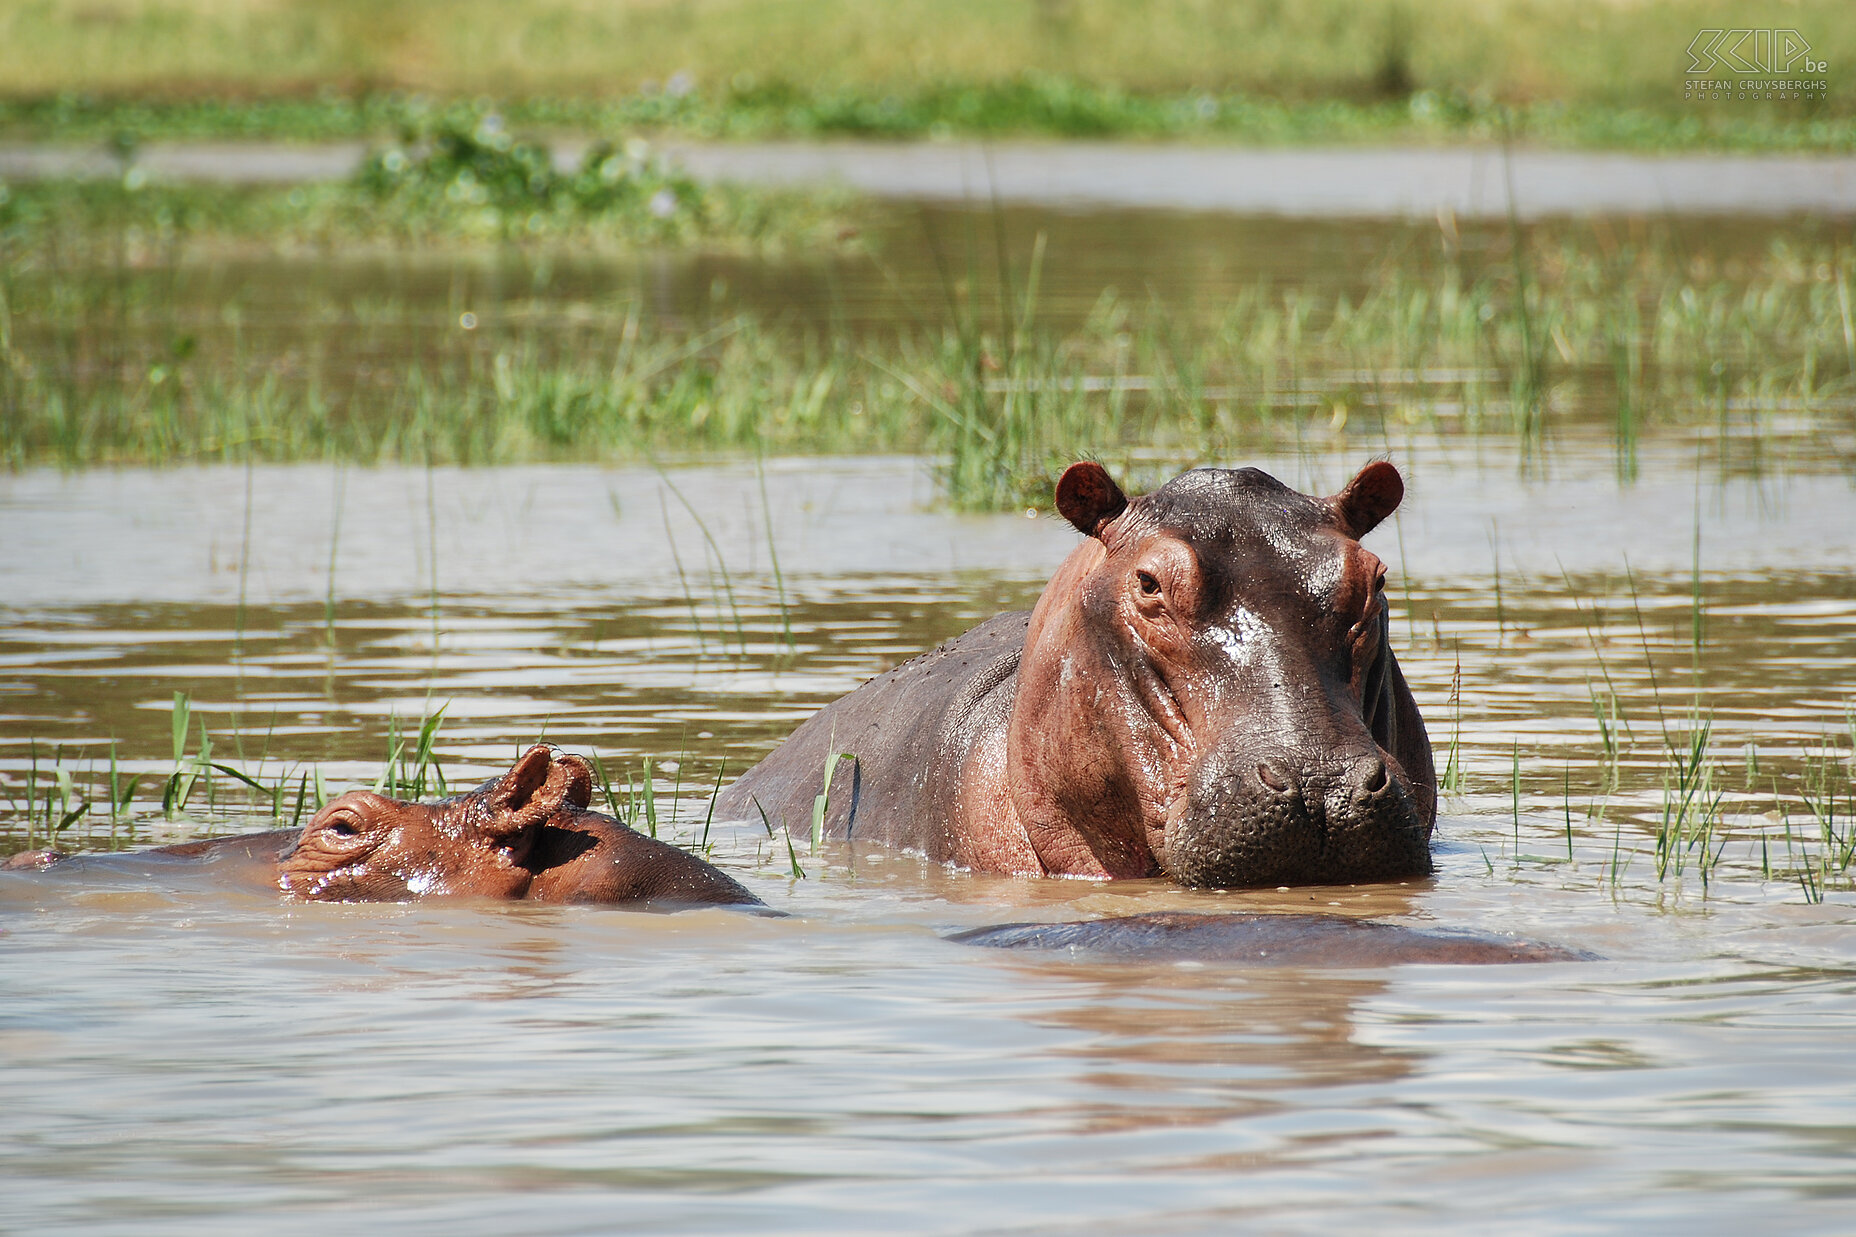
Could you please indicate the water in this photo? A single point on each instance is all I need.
(181, 1057)
(1303, 184)
(177, 1056)
(352, 318)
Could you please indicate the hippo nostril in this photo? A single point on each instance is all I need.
(1371, 775)
(1276, 776)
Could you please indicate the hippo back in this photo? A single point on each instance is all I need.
(1266, 939)
(909, 733)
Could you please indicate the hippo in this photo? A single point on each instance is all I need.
(1265, 939)
(1205, 690)
(527, 834)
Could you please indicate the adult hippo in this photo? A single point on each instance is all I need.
(528, 834)
(1204, 690)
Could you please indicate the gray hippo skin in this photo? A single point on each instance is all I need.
(526, 835)
(1264, 940)
(1205, 690)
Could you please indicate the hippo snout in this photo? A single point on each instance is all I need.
(1273, 819)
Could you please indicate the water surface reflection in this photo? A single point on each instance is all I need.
(179, 1056)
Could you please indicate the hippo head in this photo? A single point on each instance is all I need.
(364, 847)
(1207, 689)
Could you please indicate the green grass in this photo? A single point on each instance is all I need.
(94, 371)
(1658, 783)
(1347, 70)
(80, 799)
(1795, 822)
(456, 178)
(1030, 107)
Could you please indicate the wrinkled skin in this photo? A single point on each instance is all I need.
(528, 834)
(1205, 690)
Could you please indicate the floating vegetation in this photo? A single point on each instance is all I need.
(457, 177)
(468, 174)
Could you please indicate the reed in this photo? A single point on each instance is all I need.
(773, 556)
(1670, 795)
(1003, 397)
(73, 804)
(1451, 781)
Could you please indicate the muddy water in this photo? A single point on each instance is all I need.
(335, 317)
(1074, 174)
(178, 1057)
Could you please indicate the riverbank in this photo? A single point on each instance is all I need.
(1553, 73)
(1027, 108)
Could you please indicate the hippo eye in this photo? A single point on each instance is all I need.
(1150, 587)
(343, 827)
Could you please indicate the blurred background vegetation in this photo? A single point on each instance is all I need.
(144, 320)
(1594, 73)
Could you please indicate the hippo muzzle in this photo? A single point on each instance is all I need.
(1256, 818)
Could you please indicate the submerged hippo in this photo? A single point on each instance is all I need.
(1271, 939)
(528, 834)
(1204, 690)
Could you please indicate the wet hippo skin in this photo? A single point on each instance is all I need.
(1205, 690)
(1264, 940)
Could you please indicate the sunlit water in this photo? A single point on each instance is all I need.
(179, 1057)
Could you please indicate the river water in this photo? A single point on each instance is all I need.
(180, 1057)
(1332, 183)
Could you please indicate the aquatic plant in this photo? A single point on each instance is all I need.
(1662, 791)
(463, 171)
(1001, 394)
(72, 804)
(454, 181)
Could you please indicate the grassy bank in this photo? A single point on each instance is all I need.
(1026, 107)
(453, 178)
(1579, 332)
(1379, 70)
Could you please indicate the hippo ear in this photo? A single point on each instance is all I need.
(541, 782)
(577, 778)
(1369, 498)
(1089, 497)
